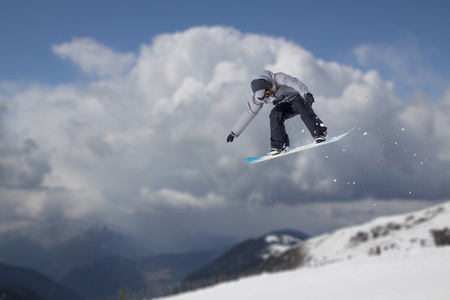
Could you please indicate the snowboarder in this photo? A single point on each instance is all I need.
(291, 97)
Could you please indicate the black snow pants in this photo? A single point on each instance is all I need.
(286, 110)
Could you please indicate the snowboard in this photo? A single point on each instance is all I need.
(257, 159)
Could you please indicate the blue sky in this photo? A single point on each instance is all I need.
(118, 112)
(329, 29)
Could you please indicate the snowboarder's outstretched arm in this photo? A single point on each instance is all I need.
(253, 108)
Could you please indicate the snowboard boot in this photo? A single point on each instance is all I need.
(320, 138)
(276, 151)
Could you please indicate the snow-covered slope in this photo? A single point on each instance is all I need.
(387, 258)
(417, 275)
(381, 236)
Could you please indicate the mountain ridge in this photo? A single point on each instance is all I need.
(424, 228)
(20, 279)
(244, 257)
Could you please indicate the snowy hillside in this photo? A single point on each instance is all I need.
(384, 235)
(417, 275)
(388, 258)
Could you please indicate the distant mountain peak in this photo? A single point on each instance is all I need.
(98, 228)
(290, 232)
(245, 256)
(277, 244)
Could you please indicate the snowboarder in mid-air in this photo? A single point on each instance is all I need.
(291, 97)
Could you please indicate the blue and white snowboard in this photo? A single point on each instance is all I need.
(256, 159)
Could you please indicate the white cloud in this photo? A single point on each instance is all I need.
(177, 199)
(94, 58)
(159, 118)
(406, 63)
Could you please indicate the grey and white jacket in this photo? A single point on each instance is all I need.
(286, 89)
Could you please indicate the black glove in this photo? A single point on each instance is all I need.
(309, 98)
(231, 137)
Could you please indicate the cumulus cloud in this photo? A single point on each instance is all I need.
(94, 58)
(406, 62)
(148, 134)
(22, 164)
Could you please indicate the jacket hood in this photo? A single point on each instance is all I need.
(268, 75)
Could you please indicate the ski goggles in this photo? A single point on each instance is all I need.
(263, 94)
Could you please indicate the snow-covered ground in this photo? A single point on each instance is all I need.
(400, 233)
(387, 258)
(417, 275)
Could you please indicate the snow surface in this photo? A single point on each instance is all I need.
(401, 233)
(417, 275)
(387, 258)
